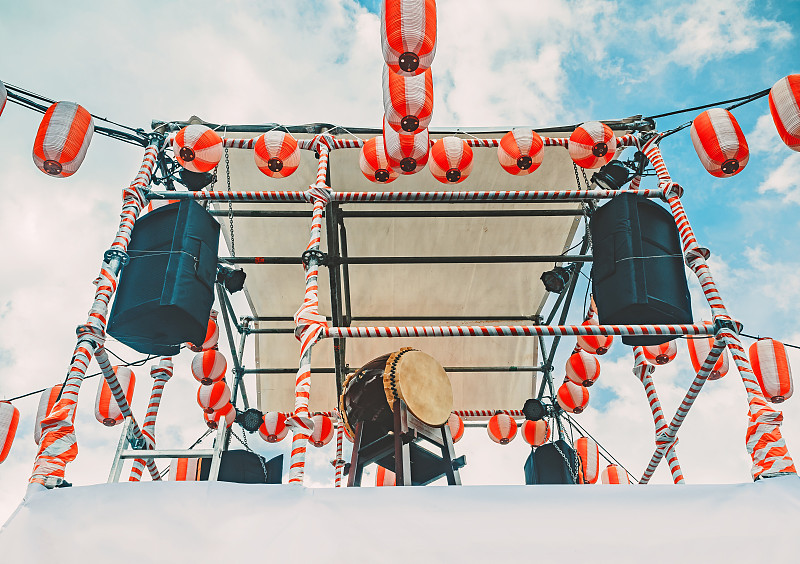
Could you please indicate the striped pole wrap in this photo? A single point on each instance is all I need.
(481, 413)
(58, 445)
(308, 324)
(338, 463)
(763, 439)
(666, 438)
(515, 330)
(161, 373)
(644, 371)
(229, 143)
(455, 196)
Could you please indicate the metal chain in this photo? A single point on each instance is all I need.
(585, 179)
(572, 472)
(230, 204)
(260, 458)
(577, 178)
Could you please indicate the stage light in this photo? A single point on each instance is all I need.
(534, 410)
(195, 181)
(612, 176)
(232, 279)
(250, 420)
(556, 280)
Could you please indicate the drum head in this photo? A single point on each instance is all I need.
(419, 380)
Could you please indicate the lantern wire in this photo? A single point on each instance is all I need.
(608, 456)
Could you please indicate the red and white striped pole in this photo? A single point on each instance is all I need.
(161, 374)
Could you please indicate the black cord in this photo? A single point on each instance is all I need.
(757, 338)
(608, 458)
(748, 98)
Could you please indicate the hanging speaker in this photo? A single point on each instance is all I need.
(551, 463)
(637, 274)
(166, 291)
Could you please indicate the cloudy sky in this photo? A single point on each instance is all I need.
(499, 63)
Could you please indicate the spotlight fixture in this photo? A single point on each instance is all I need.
(534, 410)
(231, 278)
(195, 180)
(556, 280)
(250, 420)
(611, 176)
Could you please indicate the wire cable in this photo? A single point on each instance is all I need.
(748, 98)
(608, 458)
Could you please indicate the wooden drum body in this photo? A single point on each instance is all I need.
(369, 394)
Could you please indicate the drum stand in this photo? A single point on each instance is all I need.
(400, 451)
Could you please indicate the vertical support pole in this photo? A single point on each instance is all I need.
(338, 463)
(58, 444)
(764, 441)
(219, 448)
(161, 373)
(124, 437)
(644, 371)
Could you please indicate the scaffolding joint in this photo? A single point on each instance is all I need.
(315, 256)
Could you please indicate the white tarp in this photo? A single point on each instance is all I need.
(483, 291)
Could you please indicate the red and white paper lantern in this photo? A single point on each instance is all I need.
(456, 425)
(106, 409)
(613, 474)
(520, 151)
(771, 366)
(184, 469)
(63, 139)
(408, 100)
(384, 477)
(197, 148)
(9, 420)
(374, 163)
(784, 105)
(502, 428)
(323, 430)
(209, 366)
(214, 396)
(3, 97)
(572, 397)
(699, 347)
(212, 334)
(450, 160)
(594, 344)
(720, 143)
(227, 415)
(276, 154)
(407, 152)
(661, 354)
(273, 428)
(589, 454)
(536, 433)
(583, 368)
(592, 144)
(408, 35)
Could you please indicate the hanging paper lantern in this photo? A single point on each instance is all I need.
(3, 97)
(450, 160)
(226, 414)
(592, 144)
(384, 477)
(661, 354)
(784, 105)
(456, 425)
(594, 344)
(590, 458)
(699, 347)
(520, 151)
(213, 396)
(9, 419)
(613, 474)
(536, 433)
(274, 428)
(502, 428)
(719, 142)
(408, 100)
(197, 148)
(583, 368)
(46, 403)
(276, 154)
(63, 138)
(346, 433)
(374, 163)
(572, 397)
(323, 430)
(106, 409)
(212, 335)
(407, 152)
(184, 469)
(771, 366)
(209, 366)
(408, 35)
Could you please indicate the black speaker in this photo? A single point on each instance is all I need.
(546, 465)
(166, 291)
(637, 273)
(244, 467)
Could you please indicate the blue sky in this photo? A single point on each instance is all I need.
(497, 64)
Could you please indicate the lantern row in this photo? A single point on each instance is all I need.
(66, 129)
